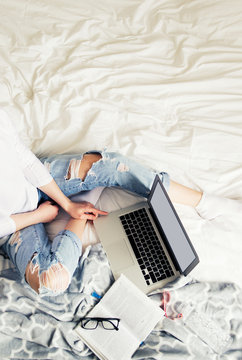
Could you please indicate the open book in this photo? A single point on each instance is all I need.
(138, 316)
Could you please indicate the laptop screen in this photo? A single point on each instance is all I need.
(168, 220)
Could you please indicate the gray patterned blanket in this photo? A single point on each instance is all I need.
(210, 327)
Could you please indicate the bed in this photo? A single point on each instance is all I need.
(158, 81)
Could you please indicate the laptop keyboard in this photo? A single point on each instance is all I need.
(146, 246)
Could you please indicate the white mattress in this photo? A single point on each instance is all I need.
(157, 80)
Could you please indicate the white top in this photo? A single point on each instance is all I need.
(21, 174)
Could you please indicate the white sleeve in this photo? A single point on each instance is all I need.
(7, 226)
(34, 171)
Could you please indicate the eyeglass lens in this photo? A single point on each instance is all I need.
(107, 324)
(89, 324)
(110, 324)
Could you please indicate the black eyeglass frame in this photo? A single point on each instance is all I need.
(100, 320)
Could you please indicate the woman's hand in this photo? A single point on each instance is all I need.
(84, 210)
(46, 212)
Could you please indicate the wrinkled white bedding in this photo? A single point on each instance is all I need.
(157, 80)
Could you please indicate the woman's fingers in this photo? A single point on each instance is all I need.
(88, 216)
(93, 210)
(84, 210)
(99, 212)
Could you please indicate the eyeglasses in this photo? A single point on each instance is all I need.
(91, 323)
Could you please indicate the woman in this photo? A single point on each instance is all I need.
(29, 186)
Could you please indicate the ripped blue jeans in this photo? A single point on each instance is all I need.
(61, 256)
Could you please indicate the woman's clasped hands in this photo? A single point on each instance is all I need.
(47, 211)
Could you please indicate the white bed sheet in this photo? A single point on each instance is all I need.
(156, 80)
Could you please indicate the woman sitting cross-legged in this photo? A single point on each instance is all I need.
(29, 186)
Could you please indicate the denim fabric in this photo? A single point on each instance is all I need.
(112, 169)
(33, 240)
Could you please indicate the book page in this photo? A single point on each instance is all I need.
(129, 303)
(138, 315)
(109, 344)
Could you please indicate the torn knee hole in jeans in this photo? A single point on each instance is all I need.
(56, 278)
(73, 170)
(79, 168)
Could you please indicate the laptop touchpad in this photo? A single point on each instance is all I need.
(120, 255)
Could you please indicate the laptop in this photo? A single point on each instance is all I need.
(147, 241)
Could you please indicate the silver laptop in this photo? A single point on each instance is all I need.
(147, 241)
